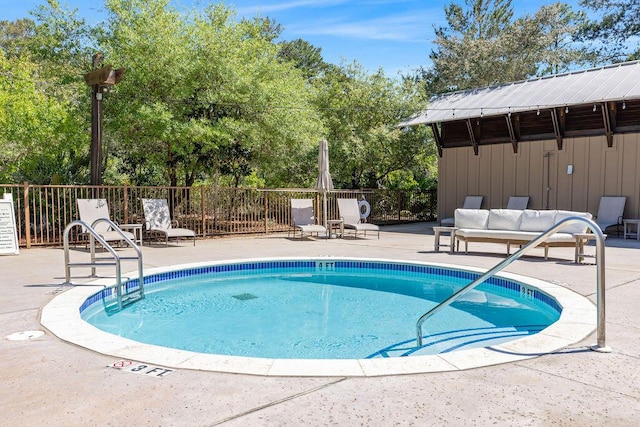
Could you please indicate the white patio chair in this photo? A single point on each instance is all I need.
(350, 214)
(91, 210)
(610, 212)
(303, 218)
(158, 221)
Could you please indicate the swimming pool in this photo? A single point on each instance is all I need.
(310, 309)
(543, 297)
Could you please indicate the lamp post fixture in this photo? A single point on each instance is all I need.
(100, 79)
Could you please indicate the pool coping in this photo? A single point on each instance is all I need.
(61, 316)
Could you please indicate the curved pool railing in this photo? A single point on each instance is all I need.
(121, 290)
(600, 279)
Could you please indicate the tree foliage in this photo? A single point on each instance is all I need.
(44, 129)
(207, 96)
(198, 90)
(483, 45)
(358, 109)
(304, 56)
(615, 36)
(37, 132)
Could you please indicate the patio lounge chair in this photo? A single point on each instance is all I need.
(610, 212)
(91, 210)
(303, 218)
(158, 221)
(470, 202)
(518, 202)
(350, 214)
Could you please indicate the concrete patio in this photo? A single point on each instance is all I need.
(47, 381)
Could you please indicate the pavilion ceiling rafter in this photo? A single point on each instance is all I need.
(606, 118)
(551, 107)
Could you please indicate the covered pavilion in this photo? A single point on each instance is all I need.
(563, 140)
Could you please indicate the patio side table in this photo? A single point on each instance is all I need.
(135, 229)
(450, 231)
(627, 229)
(338, 225)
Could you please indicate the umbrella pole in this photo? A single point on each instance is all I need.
(324, 212)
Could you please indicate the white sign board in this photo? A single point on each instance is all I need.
(8, 231)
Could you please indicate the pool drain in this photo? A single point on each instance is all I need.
(245, 297)
(26, 335)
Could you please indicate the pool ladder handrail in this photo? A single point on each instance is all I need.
(600, 278)
(98, 262)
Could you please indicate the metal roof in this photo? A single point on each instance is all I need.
(616, 82)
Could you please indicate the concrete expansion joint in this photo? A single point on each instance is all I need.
(279, 401)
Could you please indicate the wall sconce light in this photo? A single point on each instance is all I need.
(569, 169)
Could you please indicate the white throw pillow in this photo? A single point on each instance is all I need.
(579, 227)
(471, 218)
(533, 220)
(504, 219)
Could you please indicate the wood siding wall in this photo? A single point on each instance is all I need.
(539, 170)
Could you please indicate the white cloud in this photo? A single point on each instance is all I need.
(408, 27)
(293, 4)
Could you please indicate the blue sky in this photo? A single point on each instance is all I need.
(395, 35)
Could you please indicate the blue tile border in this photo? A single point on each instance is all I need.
(339, 265)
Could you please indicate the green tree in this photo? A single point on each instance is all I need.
(147, 108)
(468, 50)
(360, 112)
(482, 45)
(304, 56)
(615, 35)
(200, 87)
(37, 131)
(44, 97)
(14, 35)
(553, 33)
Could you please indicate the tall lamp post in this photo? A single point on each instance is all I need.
(99, 79)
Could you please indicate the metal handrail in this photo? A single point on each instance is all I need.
(94, 235)
(600, 278)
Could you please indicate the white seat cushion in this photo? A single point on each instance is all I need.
(471, 218)
(579, 227)
(504, 219)
(179, 232)
(537, 220)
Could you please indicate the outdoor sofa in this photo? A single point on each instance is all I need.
(516, 227)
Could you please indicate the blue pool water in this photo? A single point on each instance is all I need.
(342, 309)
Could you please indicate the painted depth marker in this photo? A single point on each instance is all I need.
(142, 369)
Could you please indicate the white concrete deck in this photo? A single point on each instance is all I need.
(46, 381)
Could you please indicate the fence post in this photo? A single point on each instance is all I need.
(27, 215)
(398, 197)
(265, 195)
(203, 216)
(126, 204)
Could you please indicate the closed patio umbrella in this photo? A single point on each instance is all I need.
(324, 182)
